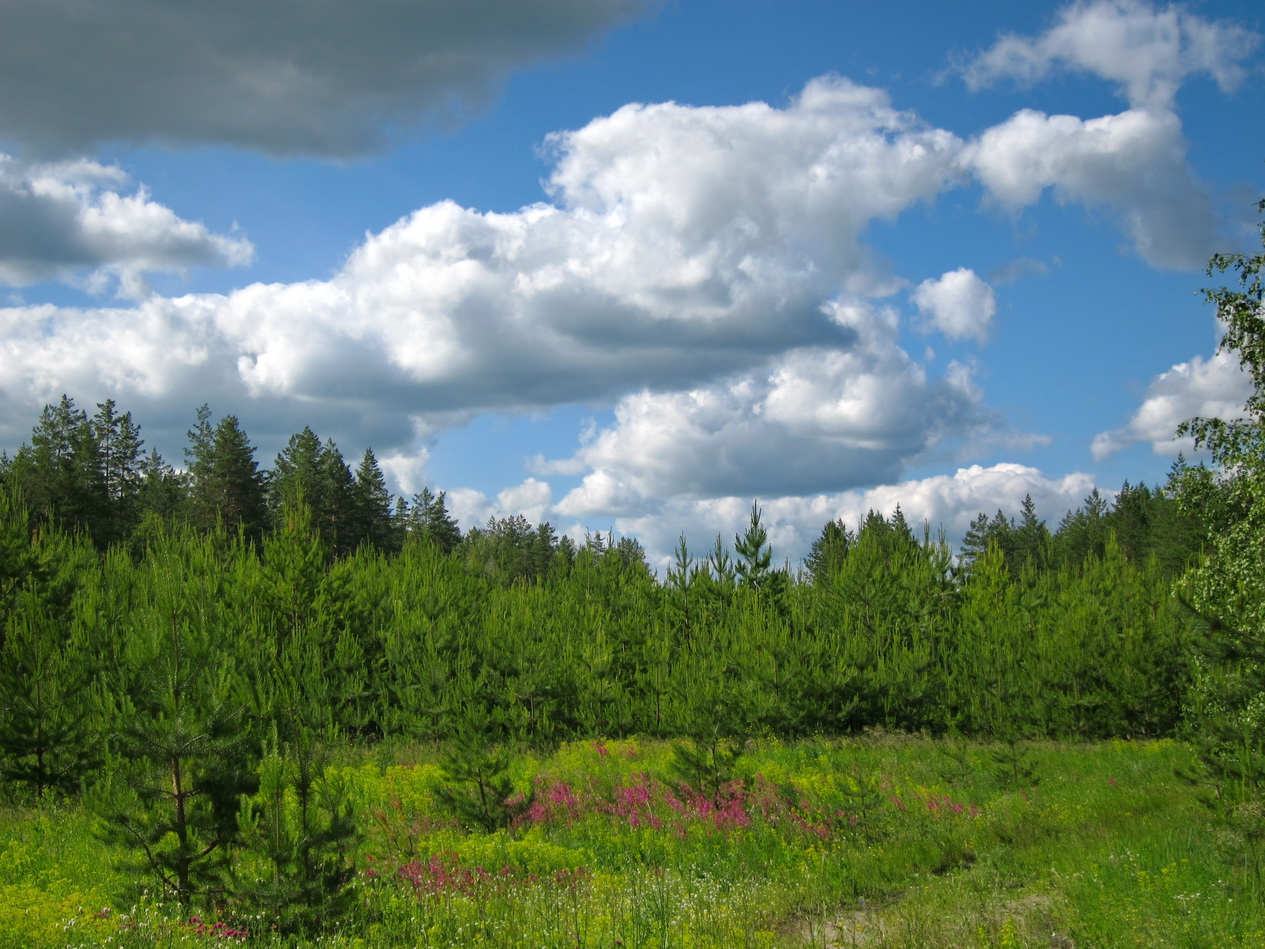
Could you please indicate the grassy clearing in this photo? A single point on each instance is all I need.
(882, 842)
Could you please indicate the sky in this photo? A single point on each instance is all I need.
(629, 265)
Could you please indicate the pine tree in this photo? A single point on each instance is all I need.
(161, 491)
(337, 521)
(720, 565)
(974, 544)
(21, 562)
(828, 552)
(1031, 538)
(48, 727)
(60, 472)
(428, 518)
(49, 733)
(1083, 533)
(372, 506)
(296, 474)
(297, 830)
(118, 449)
(226, 484)
(181, 755)
(753, 550)
(315, 475)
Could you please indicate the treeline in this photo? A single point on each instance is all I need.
(419, 645)
(310, 596)
(90, 474)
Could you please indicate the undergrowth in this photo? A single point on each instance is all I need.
(884, 842)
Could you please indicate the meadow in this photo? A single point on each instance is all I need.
(884, 840)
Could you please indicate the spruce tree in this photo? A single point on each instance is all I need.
(372, 506)
(226, 485)
(428, 519)
(828, 551)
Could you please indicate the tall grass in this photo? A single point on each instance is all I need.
(885, 842)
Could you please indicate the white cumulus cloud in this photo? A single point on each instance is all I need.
(73, 221)
(814, 420)
(958, 304)
(1204, 388)
(682, 245)
(1146, 50)
(1133, 164)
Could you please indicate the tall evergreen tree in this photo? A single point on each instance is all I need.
(428, 518)
(755, 555)
(975, 543)
(1083, 532)
(226, 483)
(60, 472)
(337, 522)
(315, 475)
(372, 506)
(296, 473)
(181, 751)
(119, 453)
(161, 490)
(1031, 538)
(828, 552)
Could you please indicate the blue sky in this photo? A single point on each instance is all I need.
(627, 265)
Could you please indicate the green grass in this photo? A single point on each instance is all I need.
(883, 842)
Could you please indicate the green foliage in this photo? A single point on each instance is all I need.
(226, 485)
(180, 751)
(428, 518)
(755, 556)
(1227, 591)
(827, 554)
(298, 831)
(478, 790)
(50, 734)
(372, 522)
(707, 765)
(314, 475)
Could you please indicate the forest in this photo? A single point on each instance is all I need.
(247, 684)
(372, 618)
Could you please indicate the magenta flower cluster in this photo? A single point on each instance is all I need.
(217, 931)
(444, 873)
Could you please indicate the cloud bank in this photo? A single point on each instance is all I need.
(682, 245)
(285, 77)
(1132, 164)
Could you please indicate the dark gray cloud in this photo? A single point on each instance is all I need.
(322, 77)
